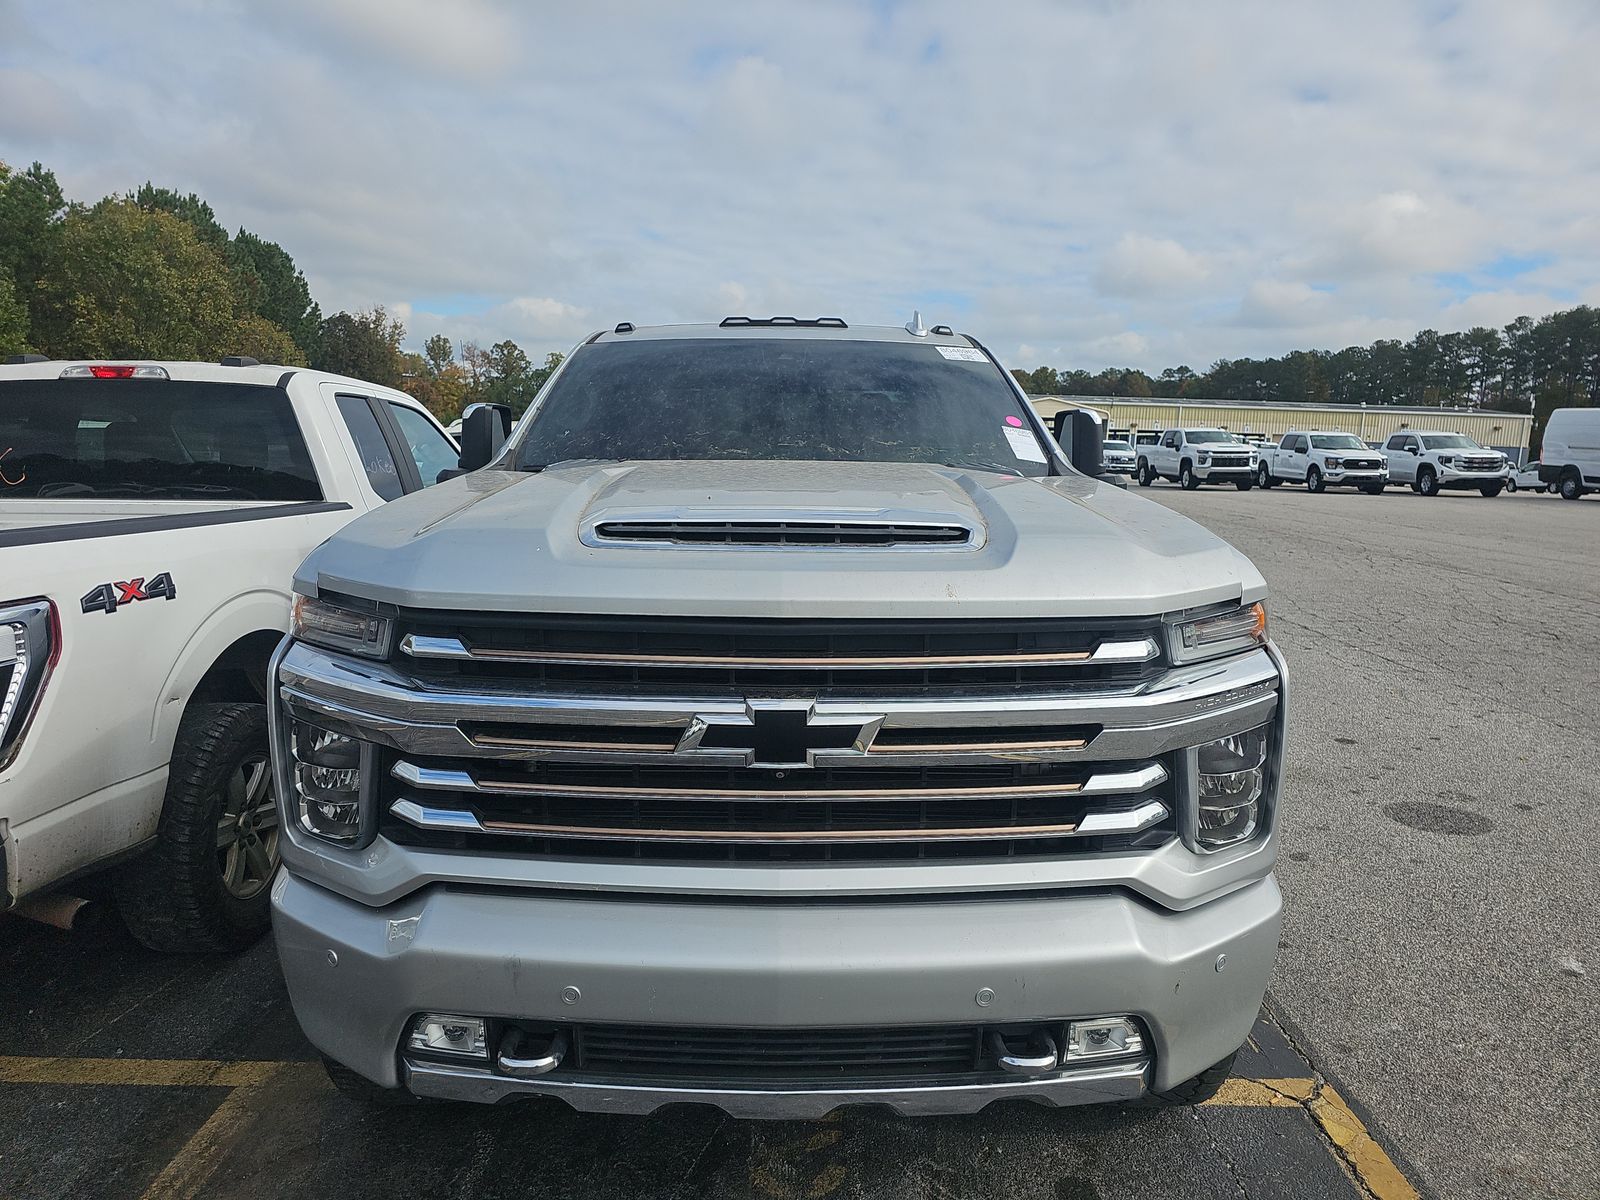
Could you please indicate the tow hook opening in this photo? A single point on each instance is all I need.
(527, 1056)
(1031, 1053)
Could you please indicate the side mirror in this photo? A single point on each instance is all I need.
(484, 429)
(1086, 451)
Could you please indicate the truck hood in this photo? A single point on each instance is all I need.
(521, 542)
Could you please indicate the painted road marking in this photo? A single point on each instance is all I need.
(1351, 1141)
(251, 1085)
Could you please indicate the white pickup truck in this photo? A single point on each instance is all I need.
(1321, 459)
(1432, 461)
(1195, 456)
(151, 517)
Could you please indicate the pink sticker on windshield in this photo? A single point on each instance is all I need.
(1014, 422)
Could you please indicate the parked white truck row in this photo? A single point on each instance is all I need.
(1428, 461)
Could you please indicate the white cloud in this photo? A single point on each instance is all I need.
(1147, 266)
(1283, 175)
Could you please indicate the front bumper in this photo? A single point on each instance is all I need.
(1212, 474)
(1449, 477)
(1353, 476)
(358, 974)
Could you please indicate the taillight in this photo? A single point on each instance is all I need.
(114, 371)
(30, 644)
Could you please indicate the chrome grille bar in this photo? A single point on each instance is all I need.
(449, 648)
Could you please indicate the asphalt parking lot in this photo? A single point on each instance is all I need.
(1429, 1023)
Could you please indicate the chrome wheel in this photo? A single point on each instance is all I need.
(247, 831)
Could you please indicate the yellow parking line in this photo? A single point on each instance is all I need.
(134, 1072)
(249, 1088)
(1367, 1162)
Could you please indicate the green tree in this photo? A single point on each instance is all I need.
(31, 212)
(274, 288)
(129, 282)
(364, 345)
(438, 353)
(13, 320)
(188, 208)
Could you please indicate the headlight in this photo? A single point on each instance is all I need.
(340, 628)
(1217, 634)
(1336, 463)
(1229, 785)
(30, 643)
(329, 770)
(1446, 459)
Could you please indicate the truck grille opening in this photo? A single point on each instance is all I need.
(783, 533)
(794, 1056)
(740, 814)
(774, 657)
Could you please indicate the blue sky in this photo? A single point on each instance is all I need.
(1079, 184)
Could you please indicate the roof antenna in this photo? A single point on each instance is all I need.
(915, 327)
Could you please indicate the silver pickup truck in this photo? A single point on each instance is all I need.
(778, 721)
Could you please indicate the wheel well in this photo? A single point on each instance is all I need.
(240, 672)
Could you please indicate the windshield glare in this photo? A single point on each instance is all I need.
(809, 399)
(1194, 436)
(1338, 441)
(1450, 441)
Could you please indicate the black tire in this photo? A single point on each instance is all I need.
(1491, 489)
(1186, 479)
(177, 897)
(1146, 476)
(1264, 477)
(1373, 489)
(1192, 1091)
(1511, 485)
(1314, 482)
(1244, 485)
(1571, 485)
(361, 1089)
(1427, 483)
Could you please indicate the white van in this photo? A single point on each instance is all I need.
(1569, 460)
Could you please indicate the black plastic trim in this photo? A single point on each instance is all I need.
(46, 534)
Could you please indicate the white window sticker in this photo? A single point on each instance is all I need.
(1024, 445)
(964, 353)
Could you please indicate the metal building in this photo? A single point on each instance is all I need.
(1259, 419)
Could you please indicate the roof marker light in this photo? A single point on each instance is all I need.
(114, 371)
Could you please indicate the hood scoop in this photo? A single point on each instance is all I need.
(787, 533)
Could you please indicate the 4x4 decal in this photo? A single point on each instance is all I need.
(108, 597)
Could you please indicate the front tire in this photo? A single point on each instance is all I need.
(1244, 485)
(1511, 486)
(1314, 481)
(1571, 486)
(1264, 476)
(1186, 478)
(1427, 483)
(1192, 1091)
(1491, 489)
(203, 887)
(1373, 489)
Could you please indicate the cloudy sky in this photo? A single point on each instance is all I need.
(1079, 184)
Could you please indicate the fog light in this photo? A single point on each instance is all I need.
(445, 1033)
(327, 782)
(1104, 1037)
(1231, 780)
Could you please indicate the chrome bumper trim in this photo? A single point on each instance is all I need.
(1084, 1085)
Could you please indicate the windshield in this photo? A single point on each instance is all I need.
(1196, 436)
(1338, 441)
(811, 399)
(1449, 441)
(1117, 446)
(150, 440)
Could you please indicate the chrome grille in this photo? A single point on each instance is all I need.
(782, 533)
(748, 814)
(708, 657)
(1478, 463)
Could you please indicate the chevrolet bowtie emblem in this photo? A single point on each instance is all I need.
(785, 734)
